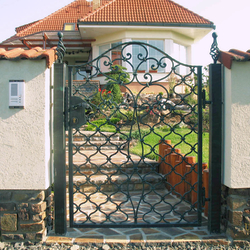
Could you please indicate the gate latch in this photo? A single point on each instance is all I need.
(204, 101)
(77, 112)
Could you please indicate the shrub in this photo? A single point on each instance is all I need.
(116, 77)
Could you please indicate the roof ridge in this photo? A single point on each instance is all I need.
(102, 14)
(44, 19)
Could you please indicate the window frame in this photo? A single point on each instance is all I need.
(73, 25)
(148, 69)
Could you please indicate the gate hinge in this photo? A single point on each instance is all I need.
(203, 198)
(204, 101)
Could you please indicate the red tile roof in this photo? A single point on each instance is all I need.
(134, 11)
(144, 11)
(71, 13)
(34, 54)
(25, 26)
(227, 58)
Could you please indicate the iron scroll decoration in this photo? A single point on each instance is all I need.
(100, 173)
(214, 50)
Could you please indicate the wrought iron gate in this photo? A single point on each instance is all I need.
(123, 171)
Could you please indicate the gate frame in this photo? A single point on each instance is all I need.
(60, 148)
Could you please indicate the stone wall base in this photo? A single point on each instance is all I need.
(236, 212)
(25, 215)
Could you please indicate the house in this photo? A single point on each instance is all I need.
(91, 27)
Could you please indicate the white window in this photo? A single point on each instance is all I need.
(180, 54)
(114, 55)
(152, 53)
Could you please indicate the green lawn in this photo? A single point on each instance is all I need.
(181, 138)
(148, 145)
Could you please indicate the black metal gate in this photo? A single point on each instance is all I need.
(130, 140)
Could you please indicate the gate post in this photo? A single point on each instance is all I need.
(215, 141)
(59, 149)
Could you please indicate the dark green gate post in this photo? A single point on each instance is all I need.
(59, 140)
(59, 149)
(215, 141)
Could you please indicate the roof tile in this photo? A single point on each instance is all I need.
(227, 57)
(35, 54)
(132, 11)
(146, 11)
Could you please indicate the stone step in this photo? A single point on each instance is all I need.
(110, 168)
(119, 182)
(103, 145)
(94, 136)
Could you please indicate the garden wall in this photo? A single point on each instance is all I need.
(26, 172)
(235, 178)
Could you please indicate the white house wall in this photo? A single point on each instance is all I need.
(25, 137)
(237, 126)
(143, 35)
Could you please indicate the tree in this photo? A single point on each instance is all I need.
(116, 77)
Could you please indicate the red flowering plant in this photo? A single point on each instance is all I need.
(101, 98)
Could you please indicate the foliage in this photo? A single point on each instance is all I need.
(193, 119)
(116, 77)
(104, 124)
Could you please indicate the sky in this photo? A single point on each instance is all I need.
(230, 17)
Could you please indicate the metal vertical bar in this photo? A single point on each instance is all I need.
(215, 147)
(59, 150)
(199, 189)
(70, 153)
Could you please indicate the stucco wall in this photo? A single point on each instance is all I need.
(237, 126)
(24, 133)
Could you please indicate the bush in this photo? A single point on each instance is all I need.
(107, 124)
(116, 77)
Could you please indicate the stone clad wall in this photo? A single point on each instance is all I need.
(236, 212)
(25, 215)
(26, 169)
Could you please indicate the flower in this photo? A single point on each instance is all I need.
(100, 90)
(109, 92)
(103, 91)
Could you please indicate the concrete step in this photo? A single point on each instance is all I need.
(110, 168)
(103, 145)
(93, 136)
(118, 182)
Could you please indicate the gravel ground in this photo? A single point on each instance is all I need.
(156, 246)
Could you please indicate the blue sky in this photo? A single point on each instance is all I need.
(230, 17)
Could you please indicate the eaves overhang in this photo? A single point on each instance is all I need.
(48, 39)
(195, 32)
(191, 25)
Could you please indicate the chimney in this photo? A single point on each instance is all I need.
(96, 4)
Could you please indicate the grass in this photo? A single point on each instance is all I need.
(182, 138)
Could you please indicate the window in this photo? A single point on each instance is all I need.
(114, 55)
(147, 66)
(180, 54)
(69, 26)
